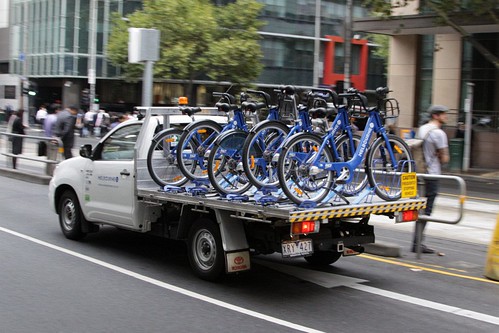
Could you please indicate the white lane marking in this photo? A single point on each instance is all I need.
(428, 304)
(329, 280)
(326, 280)
(164, 285)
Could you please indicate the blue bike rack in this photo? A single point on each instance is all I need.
(200, 188)
(237, 197)
(173, 189)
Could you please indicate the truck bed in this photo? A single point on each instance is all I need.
(285, 210)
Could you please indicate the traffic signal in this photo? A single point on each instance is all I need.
(85, 97)
(31, 88)
(96, 99)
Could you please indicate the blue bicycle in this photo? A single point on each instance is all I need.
(198, 138)
(310, 166)
(263, 145)
(162, 155)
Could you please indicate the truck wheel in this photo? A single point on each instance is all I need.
(70, 216)
(323, 258)
(205, 251)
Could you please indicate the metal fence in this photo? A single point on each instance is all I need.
(33, 150)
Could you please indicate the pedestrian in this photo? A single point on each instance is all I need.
(51, 119)
(41, 114)
(436, 153)
(101, 123)
(16, 123)
(88, 120)
(65, 129)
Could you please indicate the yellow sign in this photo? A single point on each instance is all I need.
(409, 185)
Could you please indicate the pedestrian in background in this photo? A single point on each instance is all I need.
(41, 114)
(65, 129)
(17, 128)
(50, 120)
(436, 153)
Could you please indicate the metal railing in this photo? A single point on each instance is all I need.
(30, 150)
(429, 218)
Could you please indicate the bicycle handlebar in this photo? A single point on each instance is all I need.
(265, 96)
(230, 98)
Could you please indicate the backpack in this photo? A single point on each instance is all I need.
(416, 148)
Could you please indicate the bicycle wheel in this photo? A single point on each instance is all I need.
(346, 151)
(300, 178)
(225, 167)
(260, 153)
(194, 146)
(383, 172)
(162, 158)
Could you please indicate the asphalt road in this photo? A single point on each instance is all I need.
(119, 281)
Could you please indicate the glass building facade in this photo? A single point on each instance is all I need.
(50, 39)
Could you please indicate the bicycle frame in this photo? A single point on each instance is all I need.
(374, 125)
(236, 123)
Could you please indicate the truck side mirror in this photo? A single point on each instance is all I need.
(86, 150)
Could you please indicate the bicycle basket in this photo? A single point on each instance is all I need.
(390, 108)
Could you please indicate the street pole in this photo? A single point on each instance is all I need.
(24, 103)
(348, 45)
(93, 52)
(317, 42)
(468, 107)
(147, 83)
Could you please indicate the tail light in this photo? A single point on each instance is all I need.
(305, 227)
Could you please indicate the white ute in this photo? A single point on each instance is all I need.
(109, 184)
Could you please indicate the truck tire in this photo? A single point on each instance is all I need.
(205, 250)
(323, 258)
(70, 216)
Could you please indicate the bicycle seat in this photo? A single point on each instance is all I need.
(189, 110)
(253, 106)
(287, 90)
(225, 107)
(321, 112)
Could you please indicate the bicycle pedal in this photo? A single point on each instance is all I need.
(343, 177)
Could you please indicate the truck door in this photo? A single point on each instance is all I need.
(110, 186)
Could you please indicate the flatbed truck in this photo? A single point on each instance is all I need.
(109, 184)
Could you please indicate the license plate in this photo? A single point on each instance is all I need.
(297, 248)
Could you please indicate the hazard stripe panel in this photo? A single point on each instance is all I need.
(356, 211)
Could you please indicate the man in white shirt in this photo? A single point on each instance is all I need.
(436, 153)
(41, 114)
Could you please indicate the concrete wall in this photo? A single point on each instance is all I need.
(447, 71)
(402, 63)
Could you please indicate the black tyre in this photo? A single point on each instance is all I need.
(193, 148)
(323, 258)
(225, 167)
(299, 179)
(70, 216)
(260, 153)
(162, 158)
(384, 173)
(205, 251)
